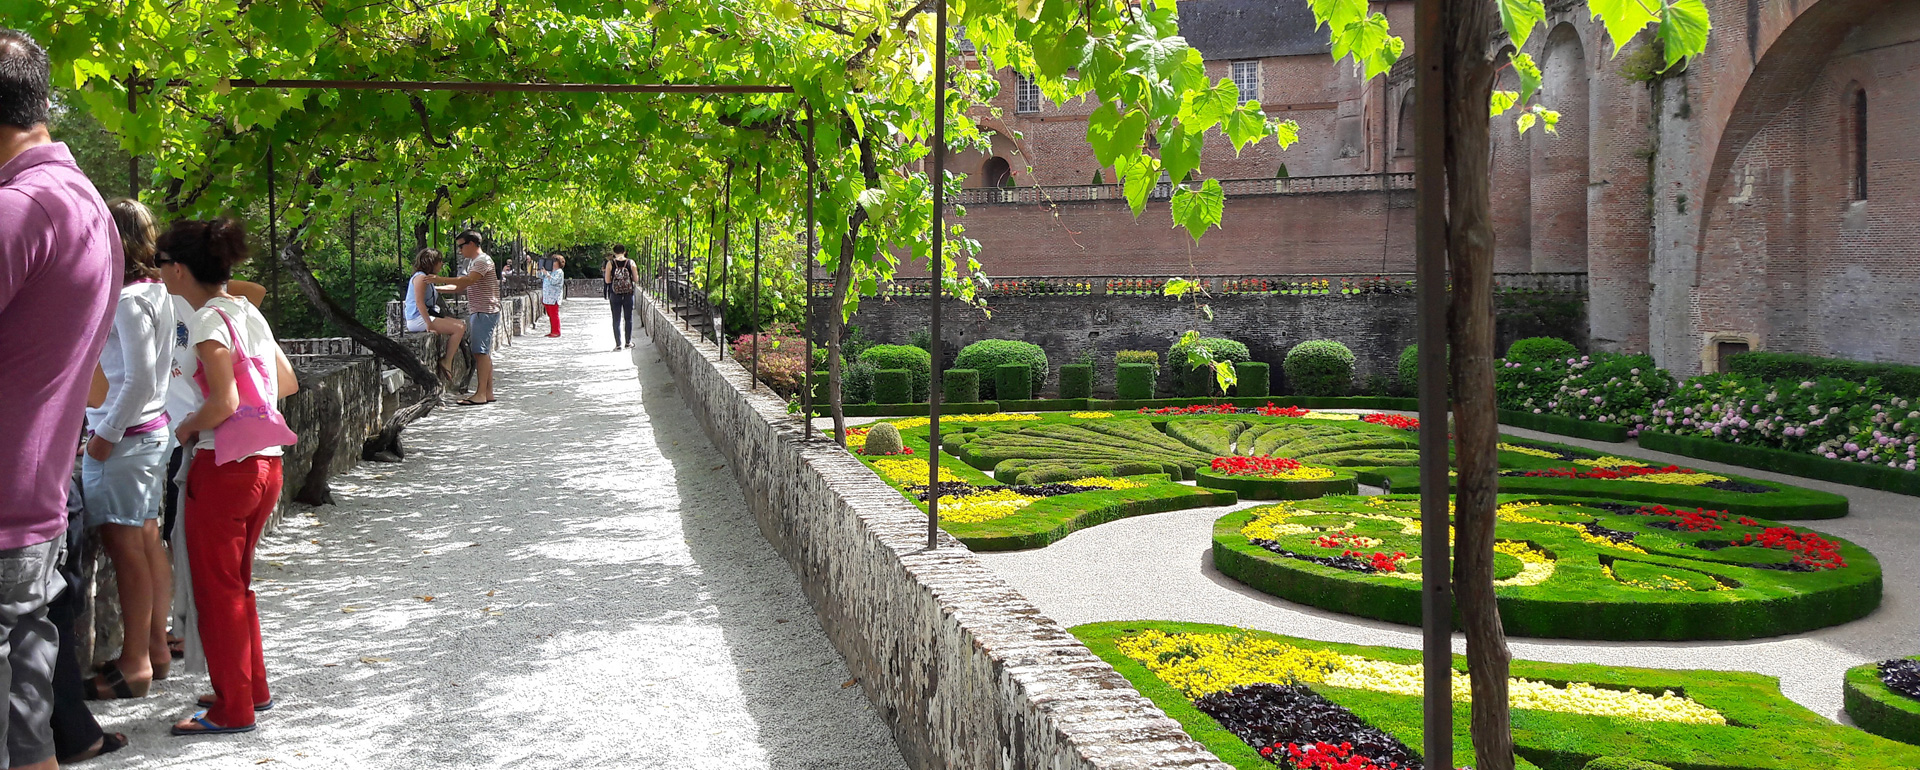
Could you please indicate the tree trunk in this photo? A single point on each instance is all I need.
(837, 323)
(1476, 427)
(385, 445)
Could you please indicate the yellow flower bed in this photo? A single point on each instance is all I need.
(910, 471)
(1527, 450)
(984, 506)
(1535, 567)
(1609, 462)
(1511, 512)
(1091, 415)
(945, 419)
(1107, 482)
(1201, 664)
(1683, 479)
(1663, 583)
(1336, 416)
(1302, 473)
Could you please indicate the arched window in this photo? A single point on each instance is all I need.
(1859, 105)
(1403, 140)
(997, 173)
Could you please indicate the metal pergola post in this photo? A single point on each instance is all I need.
(273, 233)
(754, 383)
(806, 326)
(1430, 259)
(935, 270)
(353, 258)
(726, 268)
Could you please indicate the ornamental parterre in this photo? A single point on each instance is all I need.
(1563, 569)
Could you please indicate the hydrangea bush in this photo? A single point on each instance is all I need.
(1604, 387)
(1833, 418)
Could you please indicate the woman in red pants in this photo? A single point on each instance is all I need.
(227, 503)
(553, 287)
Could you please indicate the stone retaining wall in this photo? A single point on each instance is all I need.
(965, 670)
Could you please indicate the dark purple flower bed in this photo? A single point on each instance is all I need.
(962, 489)
(1348, 563)
(1271, 717)
(1901, 676)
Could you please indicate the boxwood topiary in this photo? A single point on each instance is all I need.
(1134, 381)
(856, 383)
(988, 356)
(882, 439)
(1320, 368)
(1196, 382)
(917, 362)
(1013, 382)
(1541, 349)
(1409, 370)
(893, 386)
(960, 386)
(1254, 379)
(1076, 381)
(1150, 357)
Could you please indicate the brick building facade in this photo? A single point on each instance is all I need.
(1763, 198)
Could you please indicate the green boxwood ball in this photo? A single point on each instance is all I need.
(1320, 368)
(1541, 349)
(989, 355)
(918, 362)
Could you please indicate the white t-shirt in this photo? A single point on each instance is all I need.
(256, 338)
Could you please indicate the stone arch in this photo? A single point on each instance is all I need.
(1560, 162)
(1403, 128)
(1512, 183)
(996, 172)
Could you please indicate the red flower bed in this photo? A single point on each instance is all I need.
(1195, 409)
(1697, 520)
(1258, 465)
(1393, 421)
(1281, 411)
(1326, 756)
(1808, 548)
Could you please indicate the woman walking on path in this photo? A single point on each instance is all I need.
(419, 314)
(227, 503)
(621, 277)
(553, 289)
(123, 473)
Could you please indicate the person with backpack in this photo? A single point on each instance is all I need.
(622, 277)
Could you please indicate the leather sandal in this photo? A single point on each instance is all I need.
(112, 679)
(109, 743)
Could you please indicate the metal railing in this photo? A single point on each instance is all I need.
(1321, 284)
(1297, 185)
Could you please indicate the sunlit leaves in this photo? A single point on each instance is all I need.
(1203, 109)
(1625, 18)
(1139, 174)
(1519, 17)
(1529, 73)
(1113, 135)
(1180, 155)
(1683, 29)
(1198, 210)
(1367, 41)
(1503, 101)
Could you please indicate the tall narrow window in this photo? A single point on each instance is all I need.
(1246, 77)
(1026, 94)
(1860, 145)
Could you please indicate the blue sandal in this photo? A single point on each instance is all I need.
(209, 728)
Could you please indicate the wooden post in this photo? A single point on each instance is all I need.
(1430, 260)
(935, 269)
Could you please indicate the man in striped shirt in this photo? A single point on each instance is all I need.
(483, 312)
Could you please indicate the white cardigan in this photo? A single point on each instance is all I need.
(137, 360)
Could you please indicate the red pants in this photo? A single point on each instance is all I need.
(553, 319)
(227, 509)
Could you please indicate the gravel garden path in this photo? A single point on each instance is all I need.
(1159, 567)
(568, 578)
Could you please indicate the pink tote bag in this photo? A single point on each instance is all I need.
(255, 424)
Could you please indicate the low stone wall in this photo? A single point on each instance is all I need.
(967, 672)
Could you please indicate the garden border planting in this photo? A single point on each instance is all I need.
(1564, 426)
(965, 670)
(1799, 464)
(1049, 520)
(1877, 709)
(1792, 609)
(1263, 488)
(1763, 731)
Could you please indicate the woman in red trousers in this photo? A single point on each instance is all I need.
(227, 504)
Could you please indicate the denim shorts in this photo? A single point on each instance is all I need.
(129, 487)
(480, 332)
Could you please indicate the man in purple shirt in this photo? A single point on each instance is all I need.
(59, 261)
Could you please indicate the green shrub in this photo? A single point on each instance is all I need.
(917, 362)
(1320, 368)
(853, 342)
(1409, 369)
(1542, 349)
(960, 385)
(1199, 383)
(820, 387)
(856, 383)
(1149, 357)
(882, 439)
(988, 355)
(893, 386)
(1013, 381)
(1898, 379)
(1076, 381)
(1134, 381)
(1254, 379)
(1622, 763)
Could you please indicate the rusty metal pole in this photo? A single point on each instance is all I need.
(935, 269)
(758, 171)
(726, 269)
(1430, 260)
(806, 325)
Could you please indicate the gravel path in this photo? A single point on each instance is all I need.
(1159, 567)
(600, 597)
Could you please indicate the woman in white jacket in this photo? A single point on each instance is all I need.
(123, 473)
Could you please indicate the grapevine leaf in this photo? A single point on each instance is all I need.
(1683, 28)
(1113, 135)
(1248, 125)
(1623, 19)
(1179, 287)
(1337, 14)
(1054, 56)
(1529, 73)
(1503, 101)
(1223, 371)
(1201, 110)
(1180, 154)
(1199, 209)
(1526, 122)
(1520, 17)
(1139, 173)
